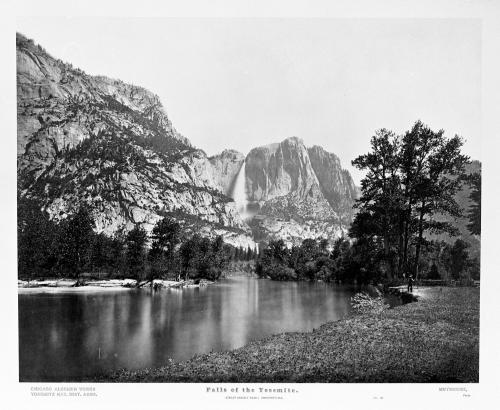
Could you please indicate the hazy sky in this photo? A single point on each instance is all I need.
(241, 83)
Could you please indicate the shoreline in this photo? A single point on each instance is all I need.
(433, 340)
(105, 284)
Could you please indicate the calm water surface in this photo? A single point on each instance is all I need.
(65, 335)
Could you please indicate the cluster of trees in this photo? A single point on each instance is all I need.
(71, 248)
(244, 254)
(159, 138)
(347, 261)
(442, 260)
(310, 261)
(474, 214)
(410, 179)
(408, 193)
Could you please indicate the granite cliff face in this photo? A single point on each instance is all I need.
(226, 166)
(301, 193)
(110, 145)
(279, 169)
(336, 183)
(96, 141)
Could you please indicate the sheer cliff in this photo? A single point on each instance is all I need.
(297, 192)
(95, 141)
(110, 145)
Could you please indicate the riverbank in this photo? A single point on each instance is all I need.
(433, 340)
(92, 284)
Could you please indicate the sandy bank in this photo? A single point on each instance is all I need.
(55, 285)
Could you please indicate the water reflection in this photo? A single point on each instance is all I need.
(64, 336)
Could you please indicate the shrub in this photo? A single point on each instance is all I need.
(259, 269)
(364, 303)
(325, 274)
(474, 268)
(280, 272)
(434, 273)
(213, 273)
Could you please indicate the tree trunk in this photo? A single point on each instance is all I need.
(400, 245)
(406, 238)
(78, 264)
(420, 235)
(386, 256)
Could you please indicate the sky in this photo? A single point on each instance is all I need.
(241, 83)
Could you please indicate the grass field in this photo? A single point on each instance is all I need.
(433, 340)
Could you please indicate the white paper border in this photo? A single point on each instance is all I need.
(183, 396)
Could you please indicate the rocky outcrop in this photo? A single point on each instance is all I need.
(95, 141)
(335, 183)
(278, 169)
(302, 193)
(109, 145)
(226, 166)
(292, 231)
(58, 105)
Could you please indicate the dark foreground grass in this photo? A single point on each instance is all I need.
(433, 340)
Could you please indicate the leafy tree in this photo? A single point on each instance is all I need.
(409, 180)
(474, 268)
(323, 245)
(434, 272)
(136, 251)
(37, 239)
(339, 247)
(166, 236)
(102, 253)
(440, 168)
(308, 253)
(277, 250)
(249, 254)
(188, 254)
(203, 258)
(357, 262)
(219, 258)
(276, 254)
(77, 238)
(325, 269)
(118, 252)
(381, 206)
(474, 214)
(458, 259)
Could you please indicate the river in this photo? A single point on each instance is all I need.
(66, 335)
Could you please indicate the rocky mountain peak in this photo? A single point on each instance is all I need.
(320, 152)
(110, 145)
(278, 169)
(298, 187)
(293, 141)
(336, 183)
(228, 154)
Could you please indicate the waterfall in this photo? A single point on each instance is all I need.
(239, 193)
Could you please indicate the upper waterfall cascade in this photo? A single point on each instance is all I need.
(239, 193)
